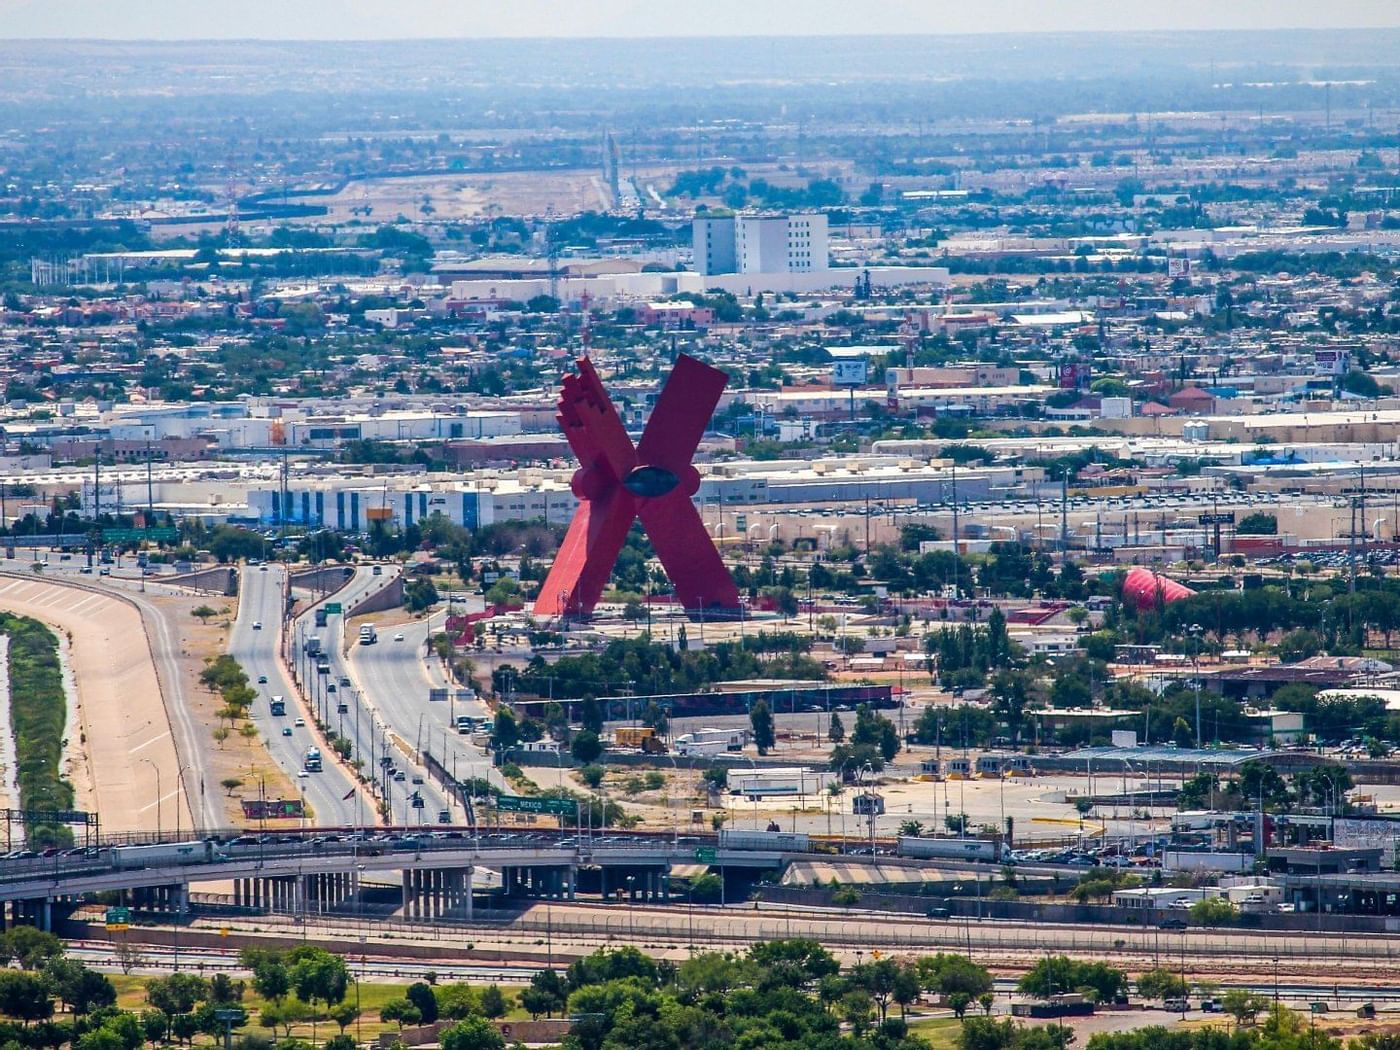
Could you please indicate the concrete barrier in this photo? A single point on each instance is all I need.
(221, 579)
(389, 596)
(324, 581)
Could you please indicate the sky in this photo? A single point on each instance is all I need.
(467, 19)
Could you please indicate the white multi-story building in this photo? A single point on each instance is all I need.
(760, 243)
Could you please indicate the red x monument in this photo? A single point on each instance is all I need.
(654, 481)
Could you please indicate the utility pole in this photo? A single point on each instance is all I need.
(1064, 516)
(955, 529)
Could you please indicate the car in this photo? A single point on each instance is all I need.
(262, 568)
(104, 572)
(257, 625)
(300, 722)
(262, 679)
(399, 776)
(286, 730)
(330, 688)
(301, 773)
(1080, 862)
(345, 681)
(86, 570)
(398, 637)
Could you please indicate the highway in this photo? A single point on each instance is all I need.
(362, 722)
(262, 602)
(395, 678)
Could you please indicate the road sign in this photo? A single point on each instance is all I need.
(118, 918)
(705, 855)
(159, 535)
(520, 804)
(1222, 518)
(332, 608)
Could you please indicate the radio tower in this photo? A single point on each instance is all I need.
(231, 221)
(551, 253)
(586, 333)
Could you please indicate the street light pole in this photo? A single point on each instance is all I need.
(158, 796)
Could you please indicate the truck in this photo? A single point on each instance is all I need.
(313, 645)
(950, 849)
(312, 762)
(277, 705)
(466, 724)
(163, 854)
(687, 747)
(368, 635)
(728, 739)
(777, 841)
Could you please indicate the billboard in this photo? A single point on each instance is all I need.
(1178, 266)
(849, 373)
(1075, 375)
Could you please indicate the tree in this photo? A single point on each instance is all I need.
(420, 994)
(586, 747)
(270, 977)
(203, 612)
(80, 989)
(493, 1002)
(1214, 911)
(31, 946)
(25, 996)
(1161, 983)
(761, 719)
(1260, 523)
(474, 1033)
(590, 714)
(1056, 974)
(318, 976)
(399, 1012)
(176, 994)
(229, 784)
(836, 732)
(1242, 1005)
(344, 1015)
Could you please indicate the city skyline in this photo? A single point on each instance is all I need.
(431, 19)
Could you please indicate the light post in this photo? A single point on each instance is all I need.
(1195, 632)
(158, 796)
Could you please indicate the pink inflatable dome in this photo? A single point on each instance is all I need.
(1142, 586)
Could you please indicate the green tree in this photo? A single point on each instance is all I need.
(586, 747)
(420, 994)
(1161, 983)
(473, 1033)
(836, 731)
(399, 1012)
(493, 1002)
(761, 719)
(1214, 911)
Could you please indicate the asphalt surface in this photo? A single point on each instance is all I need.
(374, 734)
(261, 602)
(396, 676)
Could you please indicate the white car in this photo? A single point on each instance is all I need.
(300, 722)
(398, 637)
(257, 625)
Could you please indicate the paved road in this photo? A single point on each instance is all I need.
(396, 677)
(261, 602)
(370, 729)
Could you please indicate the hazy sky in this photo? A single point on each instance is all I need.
(384, 19)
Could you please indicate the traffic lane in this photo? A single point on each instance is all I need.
(363, 722)
(256, 651)
(397, 676)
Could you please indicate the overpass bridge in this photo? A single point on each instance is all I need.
(437, 869)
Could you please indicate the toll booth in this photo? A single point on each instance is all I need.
(959, 769)
(1018, 766)
(989, 767)
(868, 803)
(930, 769)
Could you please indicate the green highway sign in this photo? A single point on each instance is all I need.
(332, 608)
(118, 918)
(706, 855)
(157, 535)
(520, 804)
